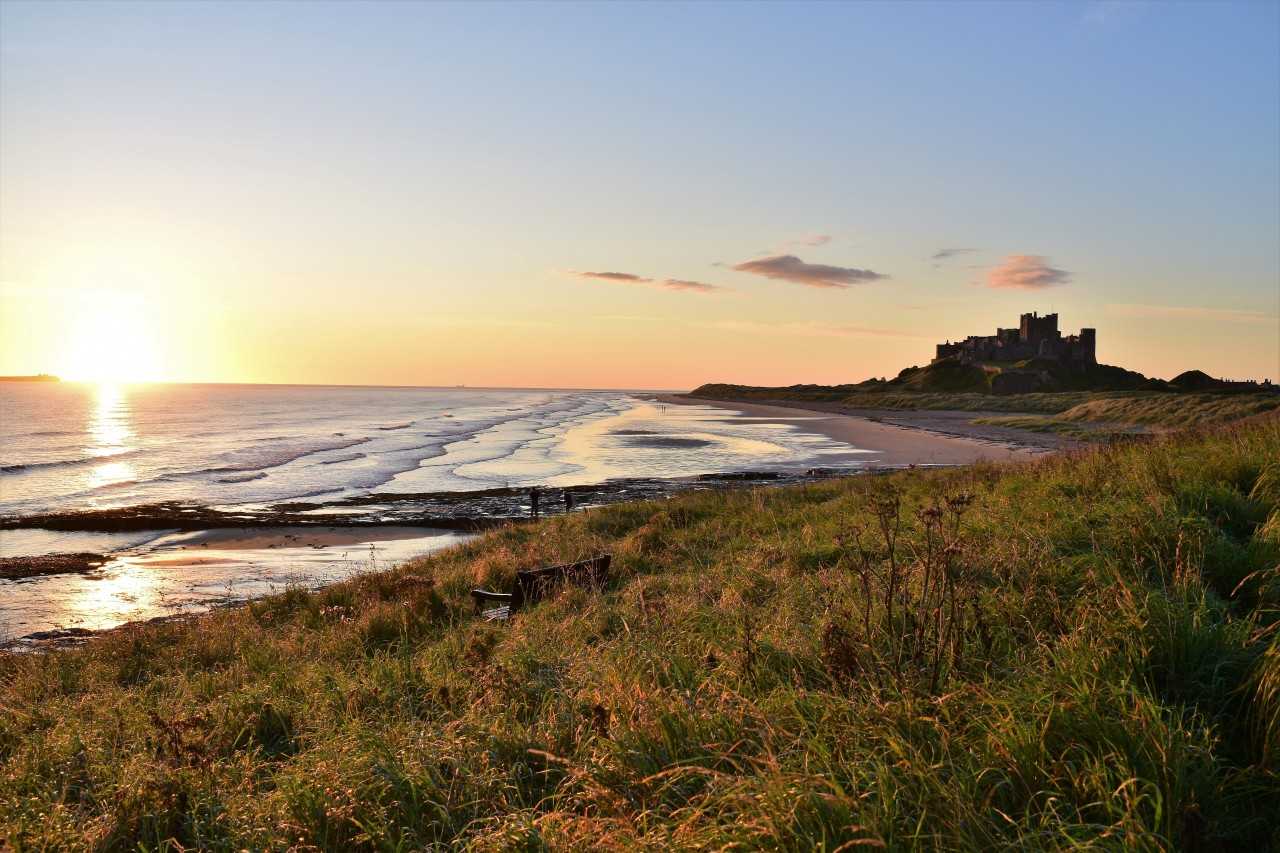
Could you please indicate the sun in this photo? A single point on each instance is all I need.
(109, 339)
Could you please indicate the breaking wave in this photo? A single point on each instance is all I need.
(242, 478)
(260, 458)
(346, 457)
(19, 467)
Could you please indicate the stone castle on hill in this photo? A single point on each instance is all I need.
(1035, 337)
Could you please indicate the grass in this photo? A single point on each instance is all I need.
(853, 397)
(1056, 426)
(958, 377)
(969, 402)
(1105, 418)
(1078, 653)
(1151, 408)
(1173, 410)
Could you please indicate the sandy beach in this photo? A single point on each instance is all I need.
(891, 444)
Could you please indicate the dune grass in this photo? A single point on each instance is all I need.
(1078, 653)
(1081, 431)
(1106, 417)
(1172, 410)
(1048, 403)
(1054, 425)
(852, 397)
(1169, 409)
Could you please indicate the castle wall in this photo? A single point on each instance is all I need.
(1035, 337)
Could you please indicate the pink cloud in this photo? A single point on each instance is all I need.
(694, 286)
(624, 277)
(1026, 272)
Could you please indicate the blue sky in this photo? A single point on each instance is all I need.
(297, 191)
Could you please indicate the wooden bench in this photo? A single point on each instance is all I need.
(532, 585)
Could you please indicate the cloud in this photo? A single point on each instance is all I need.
(944, 254)
(1026, 272)
(1230, 315)
(790, 268)
(665, 284)
(695, 286)
(624, 277)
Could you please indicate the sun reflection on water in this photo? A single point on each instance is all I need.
(120, 592)
(109, 431)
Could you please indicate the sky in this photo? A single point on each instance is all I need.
(621, 195)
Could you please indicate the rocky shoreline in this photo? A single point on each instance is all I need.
(14, 568)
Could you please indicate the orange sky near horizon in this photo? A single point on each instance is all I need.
(119, 335)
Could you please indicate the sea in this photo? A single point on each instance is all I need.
(67, 447)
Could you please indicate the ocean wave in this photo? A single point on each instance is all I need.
(316, 493)
(260, 458)
(19, 467)
(347, 457)
(241, 478)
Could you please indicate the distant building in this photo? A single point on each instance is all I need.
(1035, 337)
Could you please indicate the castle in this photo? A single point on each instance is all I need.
(1035, 337)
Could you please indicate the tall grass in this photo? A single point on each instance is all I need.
(851, 396)
(1067, 408)
(1104, 418)
(1173, 410)
(1079, 653)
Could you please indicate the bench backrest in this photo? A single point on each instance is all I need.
(535, 584)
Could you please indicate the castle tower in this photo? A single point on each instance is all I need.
(1033, 328)
(1089, 345)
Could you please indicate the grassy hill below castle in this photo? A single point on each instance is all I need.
(1096, 394)
(1080, 652)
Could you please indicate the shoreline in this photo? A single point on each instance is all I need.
(898, 439)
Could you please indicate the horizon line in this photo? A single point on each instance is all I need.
(60, 381)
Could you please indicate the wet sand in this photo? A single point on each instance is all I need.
(890, 444)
